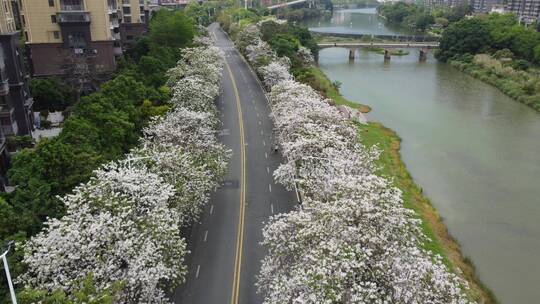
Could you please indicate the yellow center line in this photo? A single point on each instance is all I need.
(240, 232)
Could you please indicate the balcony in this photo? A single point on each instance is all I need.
(73, 17)
(72, 7)
(114, 23)
(116, 36)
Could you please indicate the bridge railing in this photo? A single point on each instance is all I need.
(397, 38)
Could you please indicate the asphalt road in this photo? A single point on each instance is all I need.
(225, 245)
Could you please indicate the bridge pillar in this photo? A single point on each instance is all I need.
(423, 54)
(386, 55)
(351, 54)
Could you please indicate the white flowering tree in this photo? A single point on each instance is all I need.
(195, 93)
(305, 55)
(124, 224)
(118, 227)
(183, 150)
(260, 54)
(204, 61)
(352, 250)
(248, 36)
(353, 241)
(274, 73)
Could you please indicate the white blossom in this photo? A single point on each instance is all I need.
(305, 55)
(118, 227)
(352, 241)
(274, 73)
(124, 224)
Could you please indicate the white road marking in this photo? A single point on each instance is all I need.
(265, 155)
(211, 209)
(260, 123)
(262, 133)
(198, 269)
(270, 187)
(205, 235)
(264, 143)
(272, 208)
(267, 170)
(257, 114)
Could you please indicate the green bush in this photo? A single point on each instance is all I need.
(521, 64)
(50, 94)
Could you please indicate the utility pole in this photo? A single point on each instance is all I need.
(8, 275)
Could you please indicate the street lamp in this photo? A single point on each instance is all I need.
(8, 275)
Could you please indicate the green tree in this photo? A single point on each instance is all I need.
(537, 53)
(465, 36)
(285, 45)
(423, 21)
(152, 71)
(88, 293)
(171, 29)
(50, 94)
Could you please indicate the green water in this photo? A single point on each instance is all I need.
(474, 151)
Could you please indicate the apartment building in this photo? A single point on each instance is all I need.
(484, 6)
(15, 102)
(445, 3)
(56, 30)
(528, 11)
(135, 17)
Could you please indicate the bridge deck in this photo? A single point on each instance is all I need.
(285, 4)
(401, 45)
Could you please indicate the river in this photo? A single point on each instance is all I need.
(473, 150)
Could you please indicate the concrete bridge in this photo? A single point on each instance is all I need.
(396, 37)
(423, 47)
(286, 4)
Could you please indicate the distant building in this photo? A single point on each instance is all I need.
(172, 3)
(16, 117)
(484, 6)
(528, 11)
(499, 8)
(57, 29)
(445, 3)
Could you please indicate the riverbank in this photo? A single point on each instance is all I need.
(320, 82)
(392, 166)
(522, 86)
(442, 243)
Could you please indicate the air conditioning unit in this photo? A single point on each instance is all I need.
(78, 51)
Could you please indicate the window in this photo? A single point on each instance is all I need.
(127, 19)
(126, 10)
(129, 37)
(25, 35)
(53, 18)
(23, 20)
(77, 40)
(51, 3)
(56, 34)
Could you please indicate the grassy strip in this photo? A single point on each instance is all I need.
(321, 83)
(441, 242)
